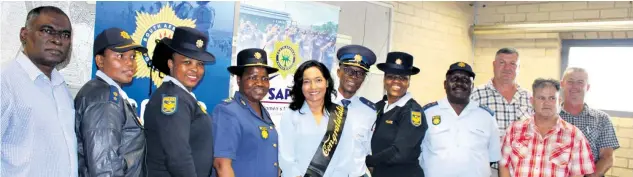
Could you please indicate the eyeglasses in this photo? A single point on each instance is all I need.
(400, 78)
(48, 32)
(351, 72)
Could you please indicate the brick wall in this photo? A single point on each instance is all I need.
(437, 35)
(540, 52)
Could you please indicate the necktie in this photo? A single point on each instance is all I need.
(346, 102)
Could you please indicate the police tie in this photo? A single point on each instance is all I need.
(346, 102)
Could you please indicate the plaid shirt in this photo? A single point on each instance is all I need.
(505, 112)
(596, 126)
(562, 152)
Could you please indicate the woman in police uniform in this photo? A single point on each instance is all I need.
(400, 125)
(179, 141)
(247, 141)
(315, 140)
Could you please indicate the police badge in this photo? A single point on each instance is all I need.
(436, 120)
(416, 118)
(169, 105)
(264, 131)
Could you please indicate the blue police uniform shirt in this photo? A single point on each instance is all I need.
(362, 114)
(244, 137)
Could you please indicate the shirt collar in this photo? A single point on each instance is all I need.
(168, 78)
(559, 124)
(585, 109)
(445, 104)
(489, 85)
(340, 97)
(111, 82)
(238, 97)
(34, 73)
(400, 103)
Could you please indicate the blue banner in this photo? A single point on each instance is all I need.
(150, 21)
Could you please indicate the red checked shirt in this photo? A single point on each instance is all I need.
(562, 152)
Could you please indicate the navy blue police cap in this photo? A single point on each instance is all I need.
(356, 55)
(116, 39)
(461, 66)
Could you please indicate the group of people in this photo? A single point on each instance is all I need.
(495, 129)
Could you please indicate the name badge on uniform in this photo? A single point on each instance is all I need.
(264, 131)
(389, 121)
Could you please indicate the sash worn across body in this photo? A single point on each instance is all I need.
(325, 152)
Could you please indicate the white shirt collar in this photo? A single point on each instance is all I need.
(340, 97)
(34, 72)
(168, 78)
(400, 103)
(109, 80)
(444, 104)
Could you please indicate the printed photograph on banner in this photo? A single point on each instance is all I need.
(291, 35)
(147, 22)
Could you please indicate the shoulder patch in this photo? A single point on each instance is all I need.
(367, 102)
(427, 106)
(492, 113)
(115, 96)
(416, 118)
(169, 105)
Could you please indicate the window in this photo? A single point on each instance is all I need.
(610, 65)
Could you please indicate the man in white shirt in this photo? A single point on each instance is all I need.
(354, 64)
(38, 118)
(463, 138)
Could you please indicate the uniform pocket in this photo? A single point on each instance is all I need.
(439, 139)
(479, 139)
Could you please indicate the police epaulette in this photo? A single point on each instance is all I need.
(367, 102)
(427, 106)
(228, 100)
(115, 96)
(492, 113)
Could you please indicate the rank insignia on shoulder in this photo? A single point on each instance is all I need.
(264, 131)
(169, 105)
(492, 113)
(436, 120)
(367, 102)
(416, 118)
(203, 108)
(114, 94)
(228, 100)
(427, 106)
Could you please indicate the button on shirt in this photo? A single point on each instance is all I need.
(363, 117)
(459, 145)
(299, 138)
(38, 121)
(244, 137)
(597, 128)
(562, 152)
